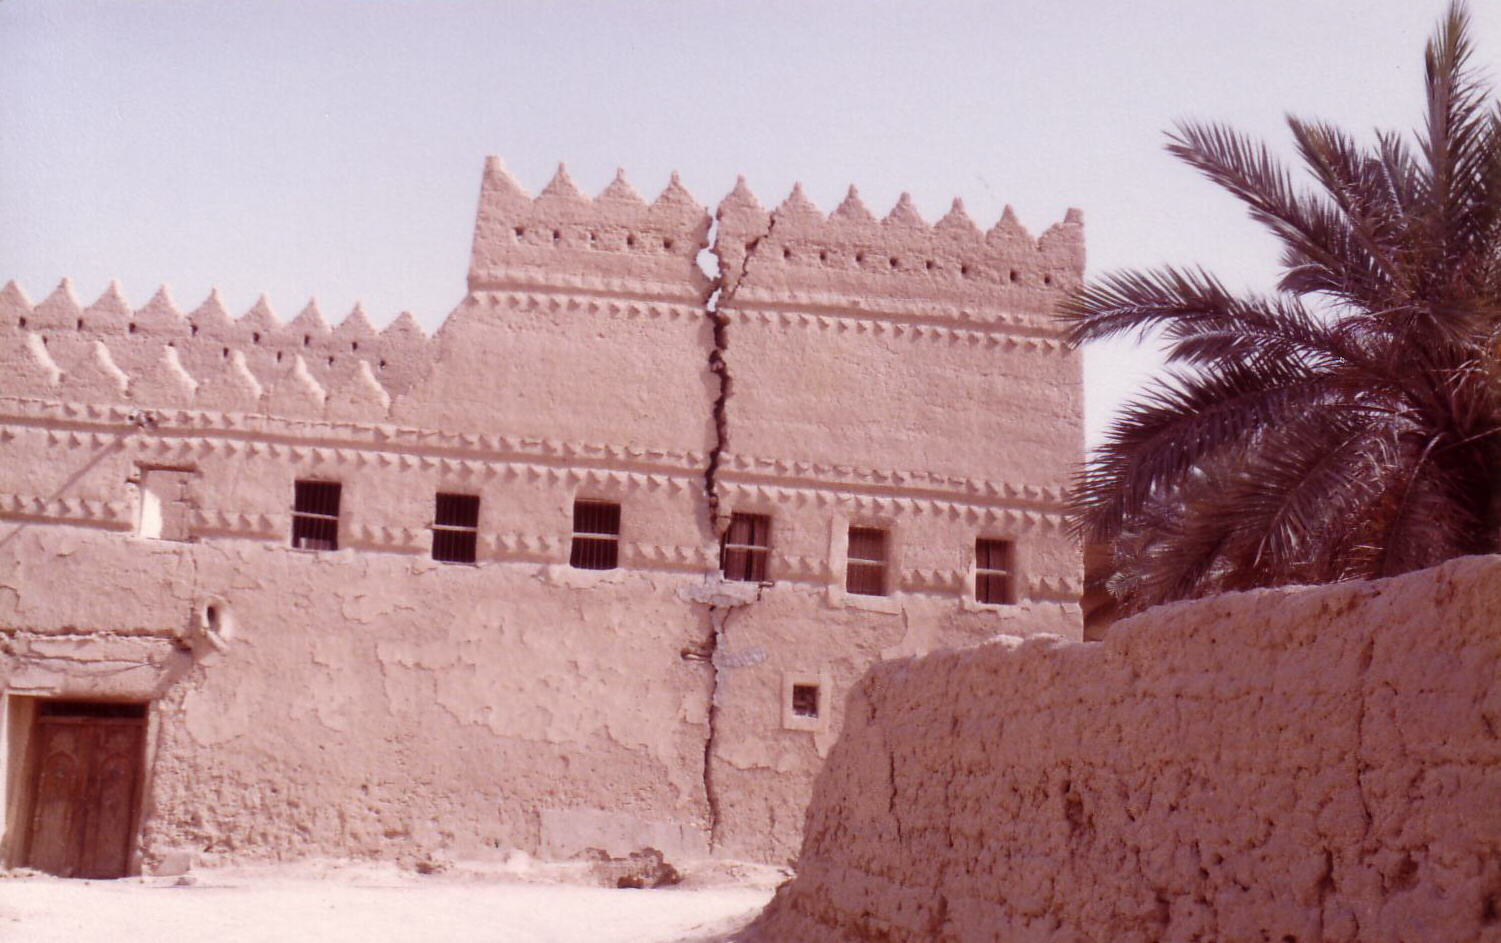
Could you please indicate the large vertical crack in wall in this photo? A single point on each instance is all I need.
(720, 605)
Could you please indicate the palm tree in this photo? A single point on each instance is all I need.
(1346, 425)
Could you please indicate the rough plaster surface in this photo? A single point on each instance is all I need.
(372, 702)
(1312, 764)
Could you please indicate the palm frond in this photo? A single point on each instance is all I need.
(1175, 426)
(1348, 425)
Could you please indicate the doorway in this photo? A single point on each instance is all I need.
(86, 765)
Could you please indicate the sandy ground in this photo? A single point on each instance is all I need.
(333, 904)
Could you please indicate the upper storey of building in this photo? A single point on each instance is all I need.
(890, 346)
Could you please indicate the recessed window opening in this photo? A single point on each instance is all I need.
(823, 255)
(1047, 279)
(865, 571)
(743, 552)
(893, 262)
(315, 515)
(80, 324)
(131, 327)
(255, 337)
(964, 271)
(596, 535)
(805, 700)
(278, 356)
(22, 322)
(456, 528)
(520, 232)
(1014, 276)
(330, 361)
(993, 569)
(166, 503)
(226, 353)
(307, 340)
(354, 345)
(557, 236)
(382, 365)
(593, 238)
(193, 329)
(667, 244)
(630, 240)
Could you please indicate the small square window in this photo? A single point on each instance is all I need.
(742, 554)
(456, 528)
(166, 503)
(865, 569)
(805, 700)
(596, 535)
(993, 570)
(315, 515)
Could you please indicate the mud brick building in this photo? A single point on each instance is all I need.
(592, 566)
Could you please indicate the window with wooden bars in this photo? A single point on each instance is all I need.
(742, 553)
(993, 572)
(456, 528)
(596, 535)
(865, 567)
(315, 515)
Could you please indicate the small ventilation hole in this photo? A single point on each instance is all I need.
(1047, 279)
(631, 240)
(194, 329)
(226, 353)
(893, 262)
(1014, 276)
(823, 255)
(520, 232)
(330, 361)
(859, 258)
(557, 236)
(23, 322)
(354, 345)
(79, 325)
(131, 327)
(382, 365)
(278, 356)
(255, 337)
(786, 253)
(928, 265)
(667, 244)
(594, 239)
(964, 271)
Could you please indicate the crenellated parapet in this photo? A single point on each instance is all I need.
(796, 257)
(615, 243)
(815, 305)
(157, 356)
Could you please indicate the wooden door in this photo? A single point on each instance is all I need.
(86, 788)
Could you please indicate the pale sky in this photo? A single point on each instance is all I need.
(334, 149)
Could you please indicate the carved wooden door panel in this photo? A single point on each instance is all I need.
(58, 797)
(88, 773)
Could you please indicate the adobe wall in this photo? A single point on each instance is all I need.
(369, 700)
(919, 366)
(366, 706)
(1309, 764)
